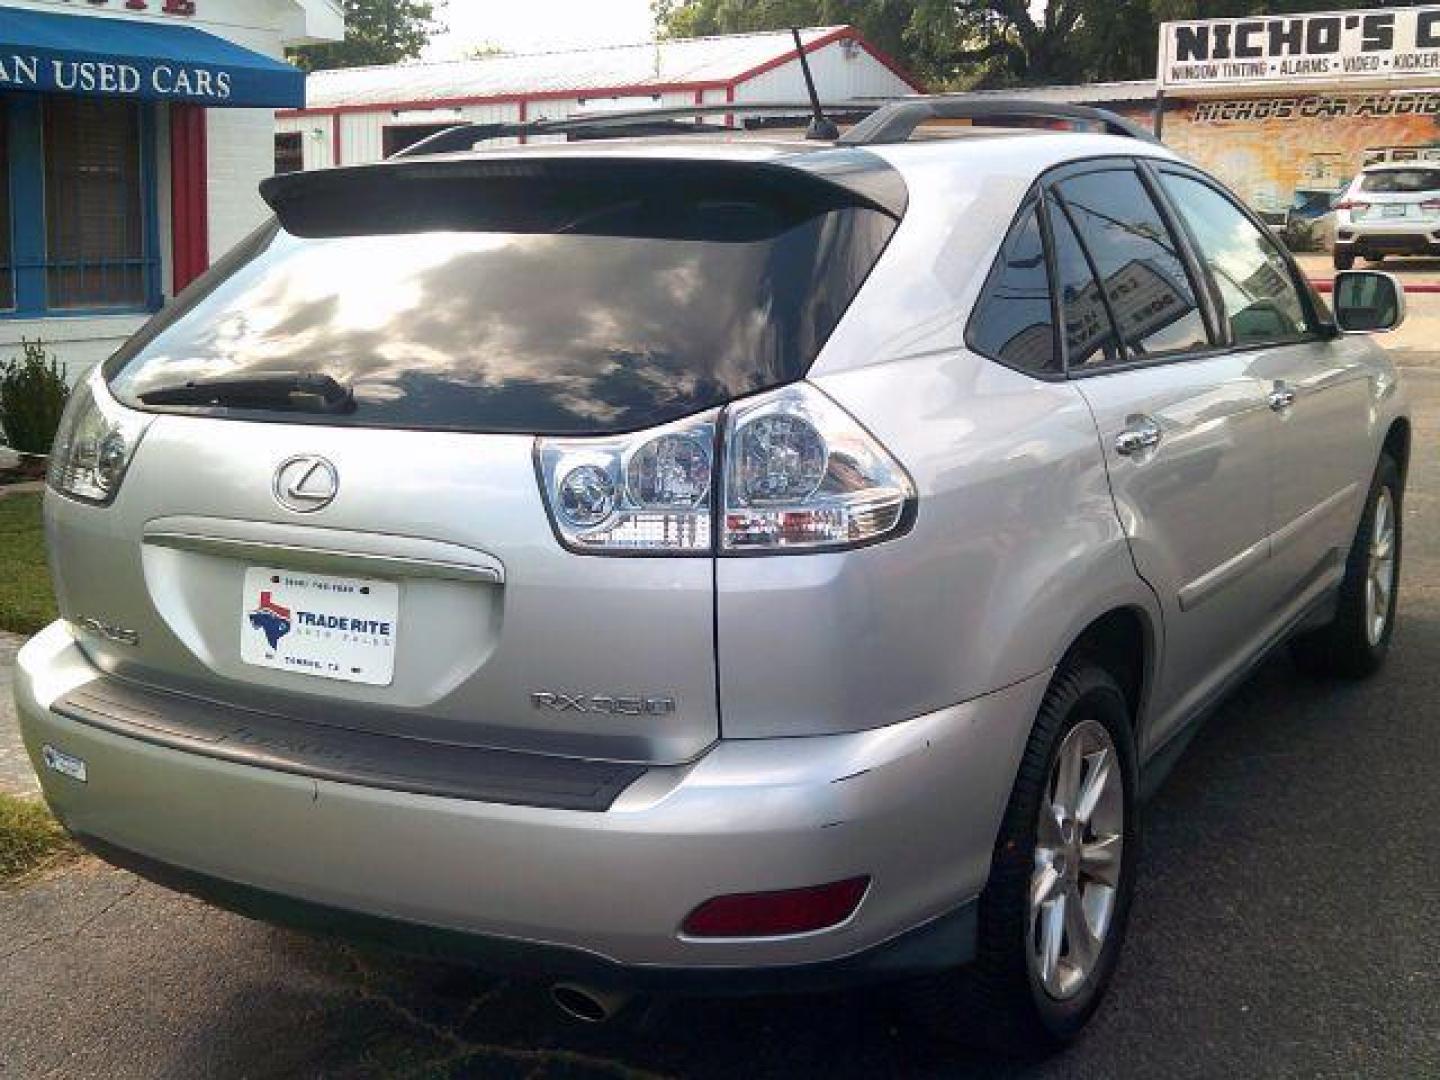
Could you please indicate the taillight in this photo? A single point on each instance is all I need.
(777, 914)
(1431, 205)
(95, 442)
(1351, 204)
(646, 493)
(800, 473)
(794, 472)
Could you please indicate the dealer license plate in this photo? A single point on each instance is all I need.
(317, 624)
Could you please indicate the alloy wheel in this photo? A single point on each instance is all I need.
(1079, 843)
(1380, 568)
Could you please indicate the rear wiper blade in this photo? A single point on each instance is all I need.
(290, 391)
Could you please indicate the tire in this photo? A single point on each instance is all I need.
(1001, 1001)
(1354, 644)
(1344, 260)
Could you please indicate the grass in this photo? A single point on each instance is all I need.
(26, 602)
(30, 838)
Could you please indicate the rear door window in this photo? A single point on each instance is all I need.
(1259, 298)
(539, 299)
(1090, 340)
(1143, 276)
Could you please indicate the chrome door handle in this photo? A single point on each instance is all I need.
(1281, 398)
(1140, 436)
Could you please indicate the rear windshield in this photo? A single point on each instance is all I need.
(549, 308)
(1401, 180)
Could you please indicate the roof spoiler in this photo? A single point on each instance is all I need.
(539, 192)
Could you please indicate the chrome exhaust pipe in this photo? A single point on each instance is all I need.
(588, 1004)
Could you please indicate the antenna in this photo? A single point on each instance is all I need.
(821, 126)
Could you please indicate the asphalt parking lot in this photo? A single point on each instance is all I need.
(1286, 925)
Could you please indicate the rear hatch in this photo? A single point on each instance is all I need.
(1400, 197)
(334, 511)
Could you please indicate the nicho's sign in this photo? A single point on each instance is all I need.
(1378, 46)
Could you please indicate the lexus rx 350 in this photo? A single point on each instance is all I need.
(707, 565)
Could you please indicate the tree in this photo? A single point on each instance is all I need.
(883, 22)
(376, 32)
(1006, 42)
(963, 44)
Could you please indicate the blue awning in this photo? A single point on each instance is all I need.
(144, 61)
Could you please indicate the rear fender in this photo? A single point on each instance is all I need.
(1015, 549)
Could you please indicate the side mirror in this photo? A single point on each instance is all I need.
(1367, 302)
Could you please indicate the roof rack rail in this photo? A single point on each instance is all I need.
(896, 121)
(878, 120)
(465, 136)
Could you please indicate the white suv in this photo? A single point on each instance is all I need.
(1388, 209)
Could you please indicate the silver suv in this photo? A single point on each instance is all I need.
(709, 565)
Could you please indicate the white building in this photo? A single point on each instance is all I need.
(133, 134)
(361, 115)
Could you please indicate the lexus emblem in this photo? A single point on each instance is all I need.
(306, 483)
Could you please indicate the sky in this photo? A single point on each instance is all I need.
(539, 25)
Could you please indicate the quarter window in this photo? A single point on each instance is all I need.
(1138, 261)
(1257, 292)
(1013, 320)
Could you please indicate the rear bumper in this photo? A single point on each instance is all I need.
(937, 945)
(580, 894)
(1378, 238)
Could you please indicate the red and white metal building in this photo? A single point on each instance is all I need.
(360, 115)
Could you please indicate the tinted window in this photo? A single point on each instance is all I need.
(1400, 180)
(1258, 295)
(575, 310)
(1089, 333)
(1138, 263)
(1012, 321)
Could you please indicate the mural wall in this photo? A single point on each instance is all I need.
(1273, 150)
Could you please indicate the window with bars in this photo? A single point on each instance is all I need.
(77, 176)
(289, 152)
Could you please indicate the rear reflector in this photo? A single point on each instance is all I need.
(773, 914)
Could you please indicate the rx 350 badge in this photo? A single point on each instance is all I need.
(602, 704)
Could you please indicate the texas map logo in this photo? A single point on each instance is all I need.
(271, 619)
